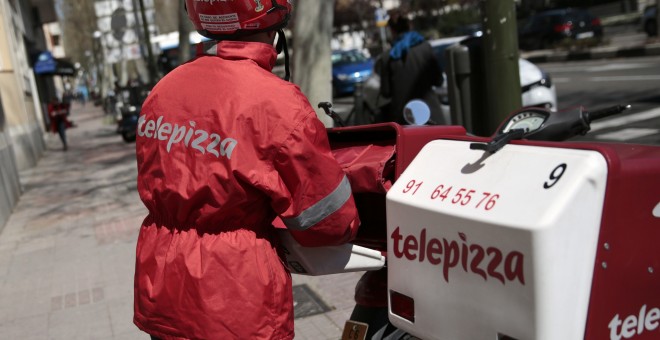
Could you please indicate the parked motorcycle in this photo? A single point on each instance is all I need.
(128, 121)
(128, 109)
(522, 235)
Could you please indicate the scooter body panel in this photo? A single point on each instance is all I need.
(556, 241)
(625, 298)
(404, 143)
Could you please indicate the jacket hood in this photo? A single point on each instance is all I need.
(404, 43)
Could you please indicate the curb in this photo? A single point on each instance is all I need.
(594, 53)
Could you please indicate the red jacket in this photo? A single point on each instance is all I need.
(223, 147)
(58, 112)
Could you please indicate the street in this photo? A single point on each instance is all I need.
(602, 83)
(67, 252)
(595, 84)
(480, 237)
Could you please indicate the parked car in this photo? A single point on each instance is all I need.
(537, 87)
(545, 29)
(650, 21)
(348, 68)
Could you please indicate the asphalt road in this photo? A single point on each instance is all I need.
(596, 84)
(601, 83)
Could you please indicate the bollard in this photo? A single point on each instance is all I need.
(459, 74)
(358, 105)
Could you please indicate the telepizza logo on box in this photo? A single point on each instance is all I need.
(635, 324)
(450, 253)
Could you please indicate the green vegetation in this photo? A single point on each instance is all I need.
(446, 24)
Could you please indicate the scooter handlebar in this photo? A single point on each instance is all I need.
(606, 112)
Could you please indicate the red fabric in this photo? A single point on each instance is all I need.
(57, 112)
(367, 166)
(207, 262)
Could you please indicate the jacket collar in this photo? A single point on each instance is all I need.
(263, 54)
(404, 43)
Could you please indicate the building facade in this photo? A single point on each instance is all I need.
(21, 108)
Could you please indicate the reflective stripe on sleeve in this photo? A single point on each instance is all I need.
(322, 209)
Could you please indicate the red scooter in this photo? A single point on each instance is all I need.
(518, 236)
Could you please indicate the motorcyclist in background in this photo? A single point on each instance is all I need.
(408, 71)
(223, 148)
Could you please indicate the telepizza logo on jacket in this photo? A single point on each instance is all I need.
(176, 134)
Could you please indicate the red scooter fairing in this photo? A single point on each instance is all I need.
(575, 257)
(507, 238)
(373, 157)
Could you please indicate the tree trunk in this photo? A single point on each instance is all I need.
(184, 35)
(312, 67)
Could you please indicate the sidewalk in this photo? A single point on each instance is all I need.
(67, 252)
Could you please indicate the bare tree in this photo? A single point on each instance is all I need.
(184, 35)
(167, 15)
(354, 13)
(78, 26)
(312, 32)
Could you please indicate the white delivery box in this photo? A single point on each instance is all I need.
(328, 260)
(494, 246)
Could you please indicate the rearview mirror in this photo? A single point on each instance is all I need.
(416, 112)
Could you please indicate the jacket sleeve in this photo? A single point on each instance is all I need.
(385, 74)
(435, 68)
(314, 198)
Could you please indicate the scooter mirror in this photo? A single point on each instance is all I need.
(416, 112)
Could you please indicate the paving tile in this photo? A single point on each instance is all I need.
(338, 317)
(27, 328)
(132, 335)
(5, 261)
(316, 327)
(26, 303)
(80, 322)
(121, 315)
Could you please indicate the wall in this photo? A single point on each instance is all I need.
(21, 124)
(18, 91)
(9, 182)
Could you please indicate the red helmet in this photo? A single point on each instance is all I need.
(222, 19)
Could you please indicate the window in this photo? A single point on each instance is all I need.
(55, 40)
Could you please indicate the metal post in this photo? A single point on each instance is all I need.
(459, 76)
(502, 75)
(358, 105)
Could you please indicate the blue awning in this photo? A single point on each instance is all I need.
(47, 65)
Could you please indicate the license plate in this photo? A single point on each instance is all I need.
(354, 330)
(584, 35)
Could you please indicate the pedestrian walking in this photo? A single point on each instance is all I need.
(224, 147)
(58, 113)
